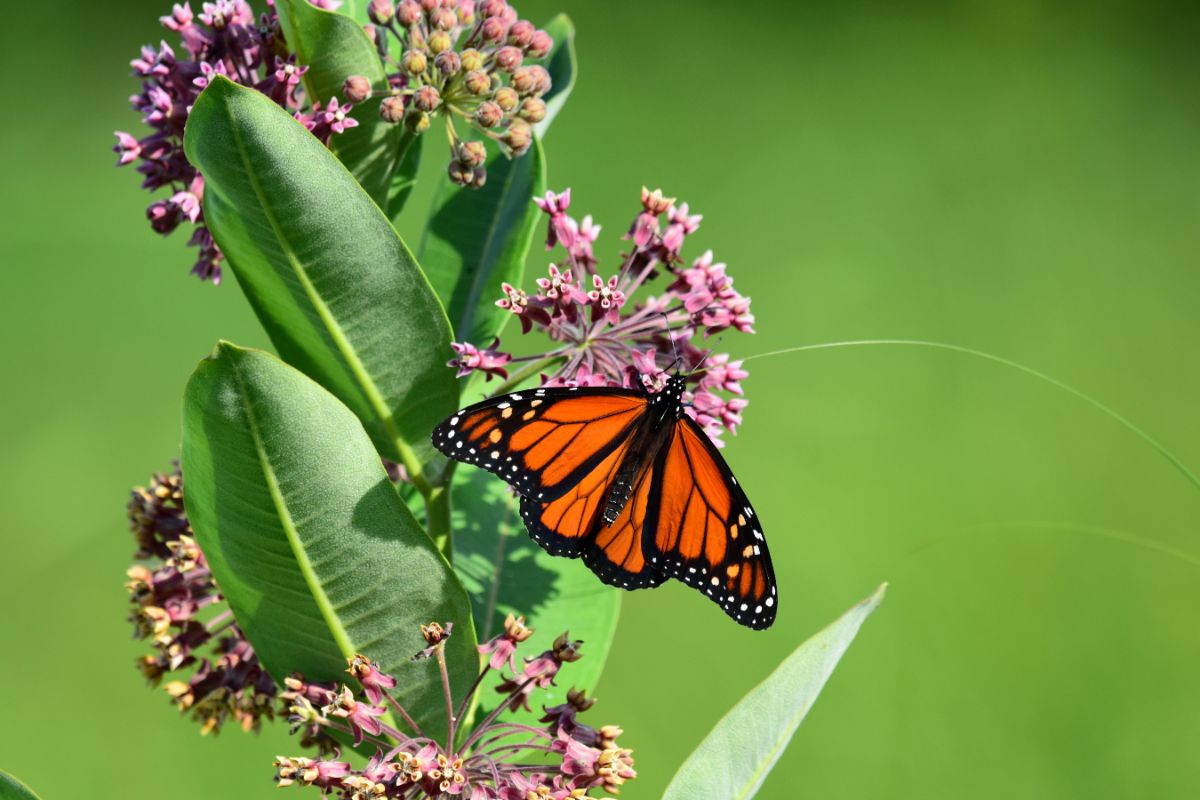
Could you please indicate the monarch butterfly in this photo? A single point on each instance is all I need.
(625, 480)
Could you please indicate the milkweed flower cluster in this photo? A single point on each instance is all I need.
(178, 609)
(464, 59)
(609, 338)
(225, 38)
(497, 760)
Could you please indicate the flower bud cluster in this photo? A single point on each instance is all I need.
(178, 609)
(467, 60)
(607, 337)
(227, 39)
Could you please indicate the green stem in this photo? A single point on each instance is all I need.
(1141, 434)
(527, 372)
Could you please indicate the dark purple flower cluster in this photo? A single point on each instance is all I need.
(225, 38)
(498, 760)
(179, 610)
(465, 59)
(609, 340)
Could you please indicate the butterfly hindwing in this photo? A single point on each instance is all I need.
(707, 533)
(542, 441)
(574, 524)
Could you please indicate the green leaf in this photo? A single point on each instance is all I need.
(405, 176)
(478, 238)
(13, 789)
(308, 540)
(734, 759)
(339, 293)
(562, 66)
(335, 47)
(506, 572)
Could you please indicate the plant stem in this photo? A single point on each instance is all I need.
(404, 715)
(450, 718)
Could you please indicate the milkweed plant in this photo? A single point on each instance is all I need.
(309, 560)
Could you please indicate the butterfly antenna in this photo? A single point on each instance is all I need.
(711, 350)
(671, 339)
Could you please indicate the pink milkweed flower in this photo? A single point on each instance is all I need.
(363, 718)
(681, 225)
(127, 148)
(502, 648)
(606, 299)
(559, 228)
(375, 683)
(489, 361)
(337, 116)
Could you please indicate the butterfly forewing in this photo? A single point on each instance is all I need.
(542, 441)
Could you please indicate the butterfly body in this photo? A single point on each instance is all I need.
(625, 480)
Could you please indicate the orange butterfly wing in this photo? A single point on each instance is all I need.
(707, 534)
(574, 524)
(542, 441)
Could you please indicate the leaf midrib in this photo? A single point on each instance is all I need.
(316, 589)
(357, 368)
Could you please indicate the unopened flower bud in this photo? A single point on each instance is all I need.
(448, 63)
(479, 179)
(478, 83)
(356, 89)
(427, 98)
(370, 31)
(509, 58)
(533, 109)
(518, 137)
(472, 154)
(414, 62)
(443, 19)
(392, 109)
(507, 98)
(540, 45)
(532, 80)
(381, 11)
(489, 115)
(521, 33)
(417, 121)
(408, 13)
(460, 174)
(466, 16)
(440, 42)
(430, 5)
(491, 8)
(471, 59)
(493, 30)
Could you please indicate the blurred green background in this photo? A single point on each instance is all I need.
(1016, 176)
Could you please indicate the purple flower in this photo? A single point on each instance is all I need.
(559, 229)
(502, 648)
(469, 358)
(374, 682)
(363, 718)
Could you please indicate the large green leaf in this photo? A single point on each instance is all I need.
(339, 293)
(335, 47)
(562, 66)
(477, 239)
(736, 756)
(309, 542)
(506, 572)
(13, 789)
